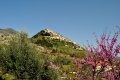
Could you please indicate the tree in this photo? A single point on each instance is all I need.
(100, 62)
(20, 58)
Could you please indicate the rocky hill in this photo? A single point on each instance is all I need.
(5, 33)
(52, 35)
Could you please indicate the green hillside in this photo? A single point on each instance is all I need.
(44, 47)
(53, 41)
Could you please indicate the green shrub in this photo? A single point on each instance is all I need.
(20, 58)
(44, 41)
(62, 60)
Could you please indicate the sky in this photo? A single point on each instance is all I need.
(74, 19)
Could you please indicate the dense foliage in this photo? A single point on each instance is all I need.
(20, 58)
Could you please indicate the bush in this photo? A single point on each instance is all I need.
(44, 41)
(20, 58)
(61, 60)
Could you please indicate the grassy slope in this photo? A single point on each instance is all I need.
(59, 54)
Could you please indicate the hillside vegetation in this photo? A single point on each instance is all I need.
(51, 56)
(57, 43)
(29, 58)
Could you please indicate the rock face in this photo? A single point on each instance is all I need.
(54, 35)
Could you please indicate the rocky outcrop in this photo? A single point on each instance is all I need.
(55, 35)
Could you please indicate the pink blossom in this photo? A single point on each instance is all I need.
(53, 66)
(103, 55)
(64, 74)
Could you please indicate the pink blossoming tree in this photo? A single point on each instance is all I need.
(100, 62)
